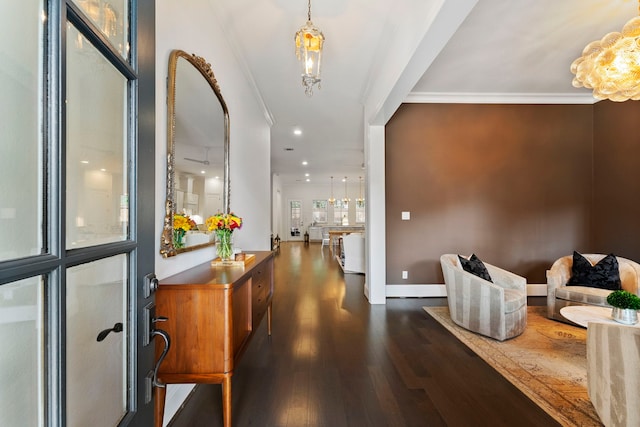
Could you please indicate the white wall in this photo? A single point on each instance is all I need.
(193, 27)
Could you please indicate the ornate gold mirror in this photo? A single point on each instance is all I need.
(197, 154)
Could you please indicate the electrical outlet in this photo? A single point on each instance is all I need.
(405, 274)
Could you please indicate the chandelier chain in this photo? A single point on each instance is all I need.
(309, 10)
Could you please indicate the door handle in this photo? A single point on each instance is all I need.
(103, 334)
(167, 345)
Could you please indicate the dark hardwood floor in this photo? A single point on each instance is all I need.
(335, 360)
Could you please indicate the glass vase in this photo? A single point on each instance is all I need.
(224, 244)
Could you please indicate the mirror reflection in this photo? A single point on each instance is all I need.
(197, 154)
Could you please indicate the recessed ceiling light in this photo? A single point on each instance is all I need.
(84, 162)
(306, 174)
(304, 163)
(297, 132)
(202, 172)
(308, 180)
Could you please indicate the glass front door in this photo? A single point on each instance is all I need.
(71, 258)
(295, 220)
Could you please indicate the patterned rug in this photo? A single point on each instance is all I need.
(547, 363)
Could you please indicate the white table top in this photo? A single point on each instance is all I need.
(582, 315)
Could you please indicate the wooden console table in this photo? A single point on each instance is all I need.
(212, 314)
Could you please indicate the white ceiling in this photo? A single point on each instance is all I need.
(503, 51)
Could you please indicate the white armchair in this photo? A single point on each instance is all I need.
(559, 295)
(497, 310)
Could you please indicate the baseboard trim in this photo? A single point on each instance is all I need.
(436, 290)
(537, 290)
(408, 291)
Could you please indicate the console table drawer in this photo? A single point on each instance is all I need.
(261, 291)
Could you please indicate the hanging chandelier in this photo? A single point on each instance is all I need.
(102, 14)
(332, 200)
(309, 40)
(360, 199)
(611, 66)
(345, 199)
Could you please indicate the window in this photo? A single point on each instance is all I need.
(96, 165)
(21, 210)
(22, 353)
(319, 211)
(360, 211)
(340, 211)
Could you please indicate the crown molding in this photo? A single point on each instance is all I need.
(226, 26)
(498, 98)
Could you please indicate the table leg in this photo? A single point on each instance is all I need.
(226, 401)
(159, 395)
(269, 319)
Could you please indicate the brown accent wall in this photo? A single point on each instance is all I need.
(511, 183)
(617, 178)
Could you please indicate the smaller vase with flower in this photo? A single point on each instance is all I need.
(223, 225)
(181, 224)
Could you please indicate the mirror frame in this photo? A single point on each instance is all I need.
(166, 241)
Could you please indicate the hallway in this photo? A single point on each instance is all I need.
(334, 360)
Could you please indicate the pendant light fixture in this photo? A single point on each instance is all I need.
(360, 199)
(309, 40)
(611, 66)
(332, 200)
(345, 199)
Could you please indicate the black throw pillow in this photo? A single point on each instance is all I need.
(604, 275)
(473, 265)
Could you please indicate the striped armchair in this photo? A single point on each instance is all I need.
(613, 377)
(497, 310)
(559, 295)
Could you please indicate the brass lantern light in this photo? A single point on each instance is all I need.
(345, 199)
(309, 40)
(360, 200)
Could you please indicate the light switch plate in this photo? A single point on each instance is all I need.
(406, 216)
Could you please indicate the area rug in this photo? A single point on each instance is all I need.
(547, 363)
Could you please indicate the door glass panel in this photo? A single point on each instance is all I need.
(96, 370)
(295, 217)
(97, 198)
(20, 161)
(111, 19)
(21, 353)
